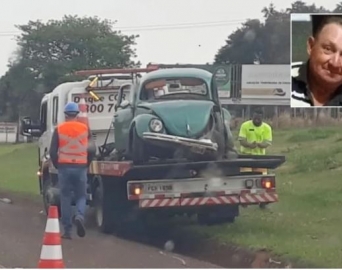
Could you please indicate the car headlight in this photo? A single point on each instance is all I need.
(156, 125)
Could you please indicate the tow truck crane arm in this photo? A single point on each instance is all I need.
(99, 72)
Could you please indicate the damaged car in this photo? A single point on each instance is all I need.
(172, 114)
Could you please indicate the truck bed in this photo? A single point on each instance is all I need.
(178, 168)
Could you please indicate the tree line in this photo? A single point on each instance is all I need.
(48, 53)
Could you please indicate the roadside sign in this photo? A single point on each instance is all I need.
(222, 78)
(266, 82)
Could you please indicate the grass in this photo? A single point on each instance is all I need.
(306, 222)
(18, 167)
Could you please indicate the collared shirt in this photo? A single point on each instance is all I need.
(252, 133)
(301, 95)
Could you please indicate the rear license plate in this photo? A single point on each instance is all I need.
(158, 188)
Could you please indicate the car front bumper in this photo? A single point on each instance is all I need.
(199, 146)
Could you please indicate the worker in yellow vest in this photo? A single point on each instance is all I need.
(254, 137)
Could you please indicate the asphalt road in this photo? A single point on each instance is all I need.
(21, 232)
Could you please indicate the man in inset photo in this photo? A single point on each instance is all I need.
(318, 81)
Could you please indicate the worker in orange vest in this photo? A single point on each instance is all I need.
(71, 152)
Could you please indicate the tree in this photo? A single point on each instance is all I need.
(338, 8)
(48, 54)
(242, 46)
(18, 92)
(266, 43)
(60, 47)
(302, 7)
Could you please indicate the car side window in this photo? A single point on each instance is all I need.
(43, 116)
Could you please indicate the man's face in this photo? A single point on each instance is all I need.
(257, 119)
(325, 52)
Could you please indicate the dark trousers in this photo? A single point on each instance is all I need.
(72, 179)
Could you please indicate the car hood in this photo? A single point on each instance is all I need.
(186, 118)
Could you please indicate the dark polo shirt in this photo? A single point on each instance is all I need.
(301, 95)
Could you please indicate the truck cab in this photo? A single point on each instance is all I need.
(100, 110)
(99, 91)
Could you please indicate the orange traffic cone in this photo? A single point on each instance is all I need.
(51, 255)
(83, 115)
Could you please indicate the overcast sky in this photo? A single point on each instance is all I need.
(193, 36)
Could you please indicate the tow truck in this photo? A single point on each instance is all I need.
(122, 191)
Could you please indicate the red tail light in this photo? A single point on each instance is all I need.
(267, 182)
(135, 189)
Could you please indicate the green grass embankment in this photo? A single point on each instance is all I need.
(18, 167)
(306, 222)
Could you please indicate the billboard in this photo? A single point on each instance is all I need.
(222, 76)
(266, 82)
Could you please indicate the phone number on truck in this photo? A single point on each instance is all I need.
(94, 106)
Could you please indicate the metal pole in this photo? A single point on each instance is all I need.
(6, 131)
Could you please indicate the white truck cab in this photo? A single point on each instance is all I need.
(100, 112)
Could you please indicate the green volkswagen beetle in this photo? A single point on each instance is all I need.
(171, 114)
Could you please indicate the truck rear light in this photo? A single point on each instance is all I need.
(267, 183)
(135, 189)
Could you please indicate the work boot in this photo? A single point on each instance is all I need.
(80, 226)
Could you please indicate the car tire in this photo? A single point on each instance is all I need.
(112, 209)
(103, 205)
(50, 194)
(137, 149)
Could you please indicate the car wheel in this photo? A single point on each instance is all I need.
(138, 149)
(50, 195)
(104, 213)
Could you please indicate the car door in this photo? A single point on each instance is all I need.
(123, 118)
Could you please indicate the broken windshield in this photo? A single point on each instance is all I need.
(167, 88)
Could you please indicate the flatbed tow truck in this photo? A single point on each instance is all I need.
(122, 192)
(212, 190)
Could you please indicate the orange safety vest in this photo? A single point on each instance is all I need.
(72, 143)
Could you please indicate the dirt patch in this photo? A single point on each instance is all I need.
(188, 243)
(232, 256)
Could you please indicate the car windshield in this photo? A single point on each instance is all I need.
(172, 88)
